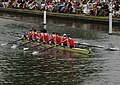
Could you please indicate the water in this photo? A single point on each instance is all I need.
(55, 67)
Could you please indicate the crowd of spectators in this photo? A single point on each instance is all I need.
(73, 7)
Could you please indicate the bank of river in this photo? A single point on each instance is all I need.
(79, 17)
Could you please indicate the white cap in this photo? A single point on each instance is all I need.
(64, 34)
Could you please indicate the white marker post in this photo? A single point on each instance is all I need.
(44, 21)
(110, 20)
(110, 23)
(44, 26)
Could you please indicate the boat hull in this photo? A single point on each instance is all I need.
(76, 50)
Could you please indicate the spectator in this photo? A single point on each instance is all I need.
(116, 12)
(87, 7)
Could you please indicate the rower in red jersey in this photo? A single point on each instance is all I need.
(58, 39)
(70, 42)
(35, 35)
(55, 38)
(43, 36)
(52, 38)
(64, 40)
(30, 34)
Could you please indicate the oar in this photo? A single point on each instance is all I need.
(99, 46)
(38, 44)
(36, 52)
(49, 48)
(43, 42)
(33, 46)
(25, 43)
(10, 42)
(55, 45)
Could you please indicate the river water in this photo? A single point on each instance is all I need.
(55, 67)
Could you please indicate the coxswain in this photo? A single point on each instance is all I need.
(30, 34)
(70, 42)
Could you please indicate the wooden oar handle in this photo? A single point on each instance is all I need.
(13, 41)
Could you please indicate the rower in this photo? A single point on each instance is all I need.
(43, 36)
(40, 35)
(52, 38)
(58, 39)
(35, 35)
(30, 34)
(67, 41)
(70, 42)
(64, 40)
(55, 38)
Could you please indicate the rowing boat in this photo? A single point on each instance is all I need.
(75, 50)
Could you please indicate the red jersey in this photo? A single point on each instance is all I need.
(52, 38)
(58, 39)
(63, 39)
(35, 35)
(70, 41)
(30, 35)
(41, 35)
(45, 37)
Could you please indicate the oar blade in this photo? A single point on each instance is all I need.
(25, 49)
(112, 49)
(35, 53)
(14, 46)
(99, 46)
(3, 44)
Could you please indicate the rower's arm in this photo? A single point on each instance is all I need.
(41, 37)
(64, 41)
